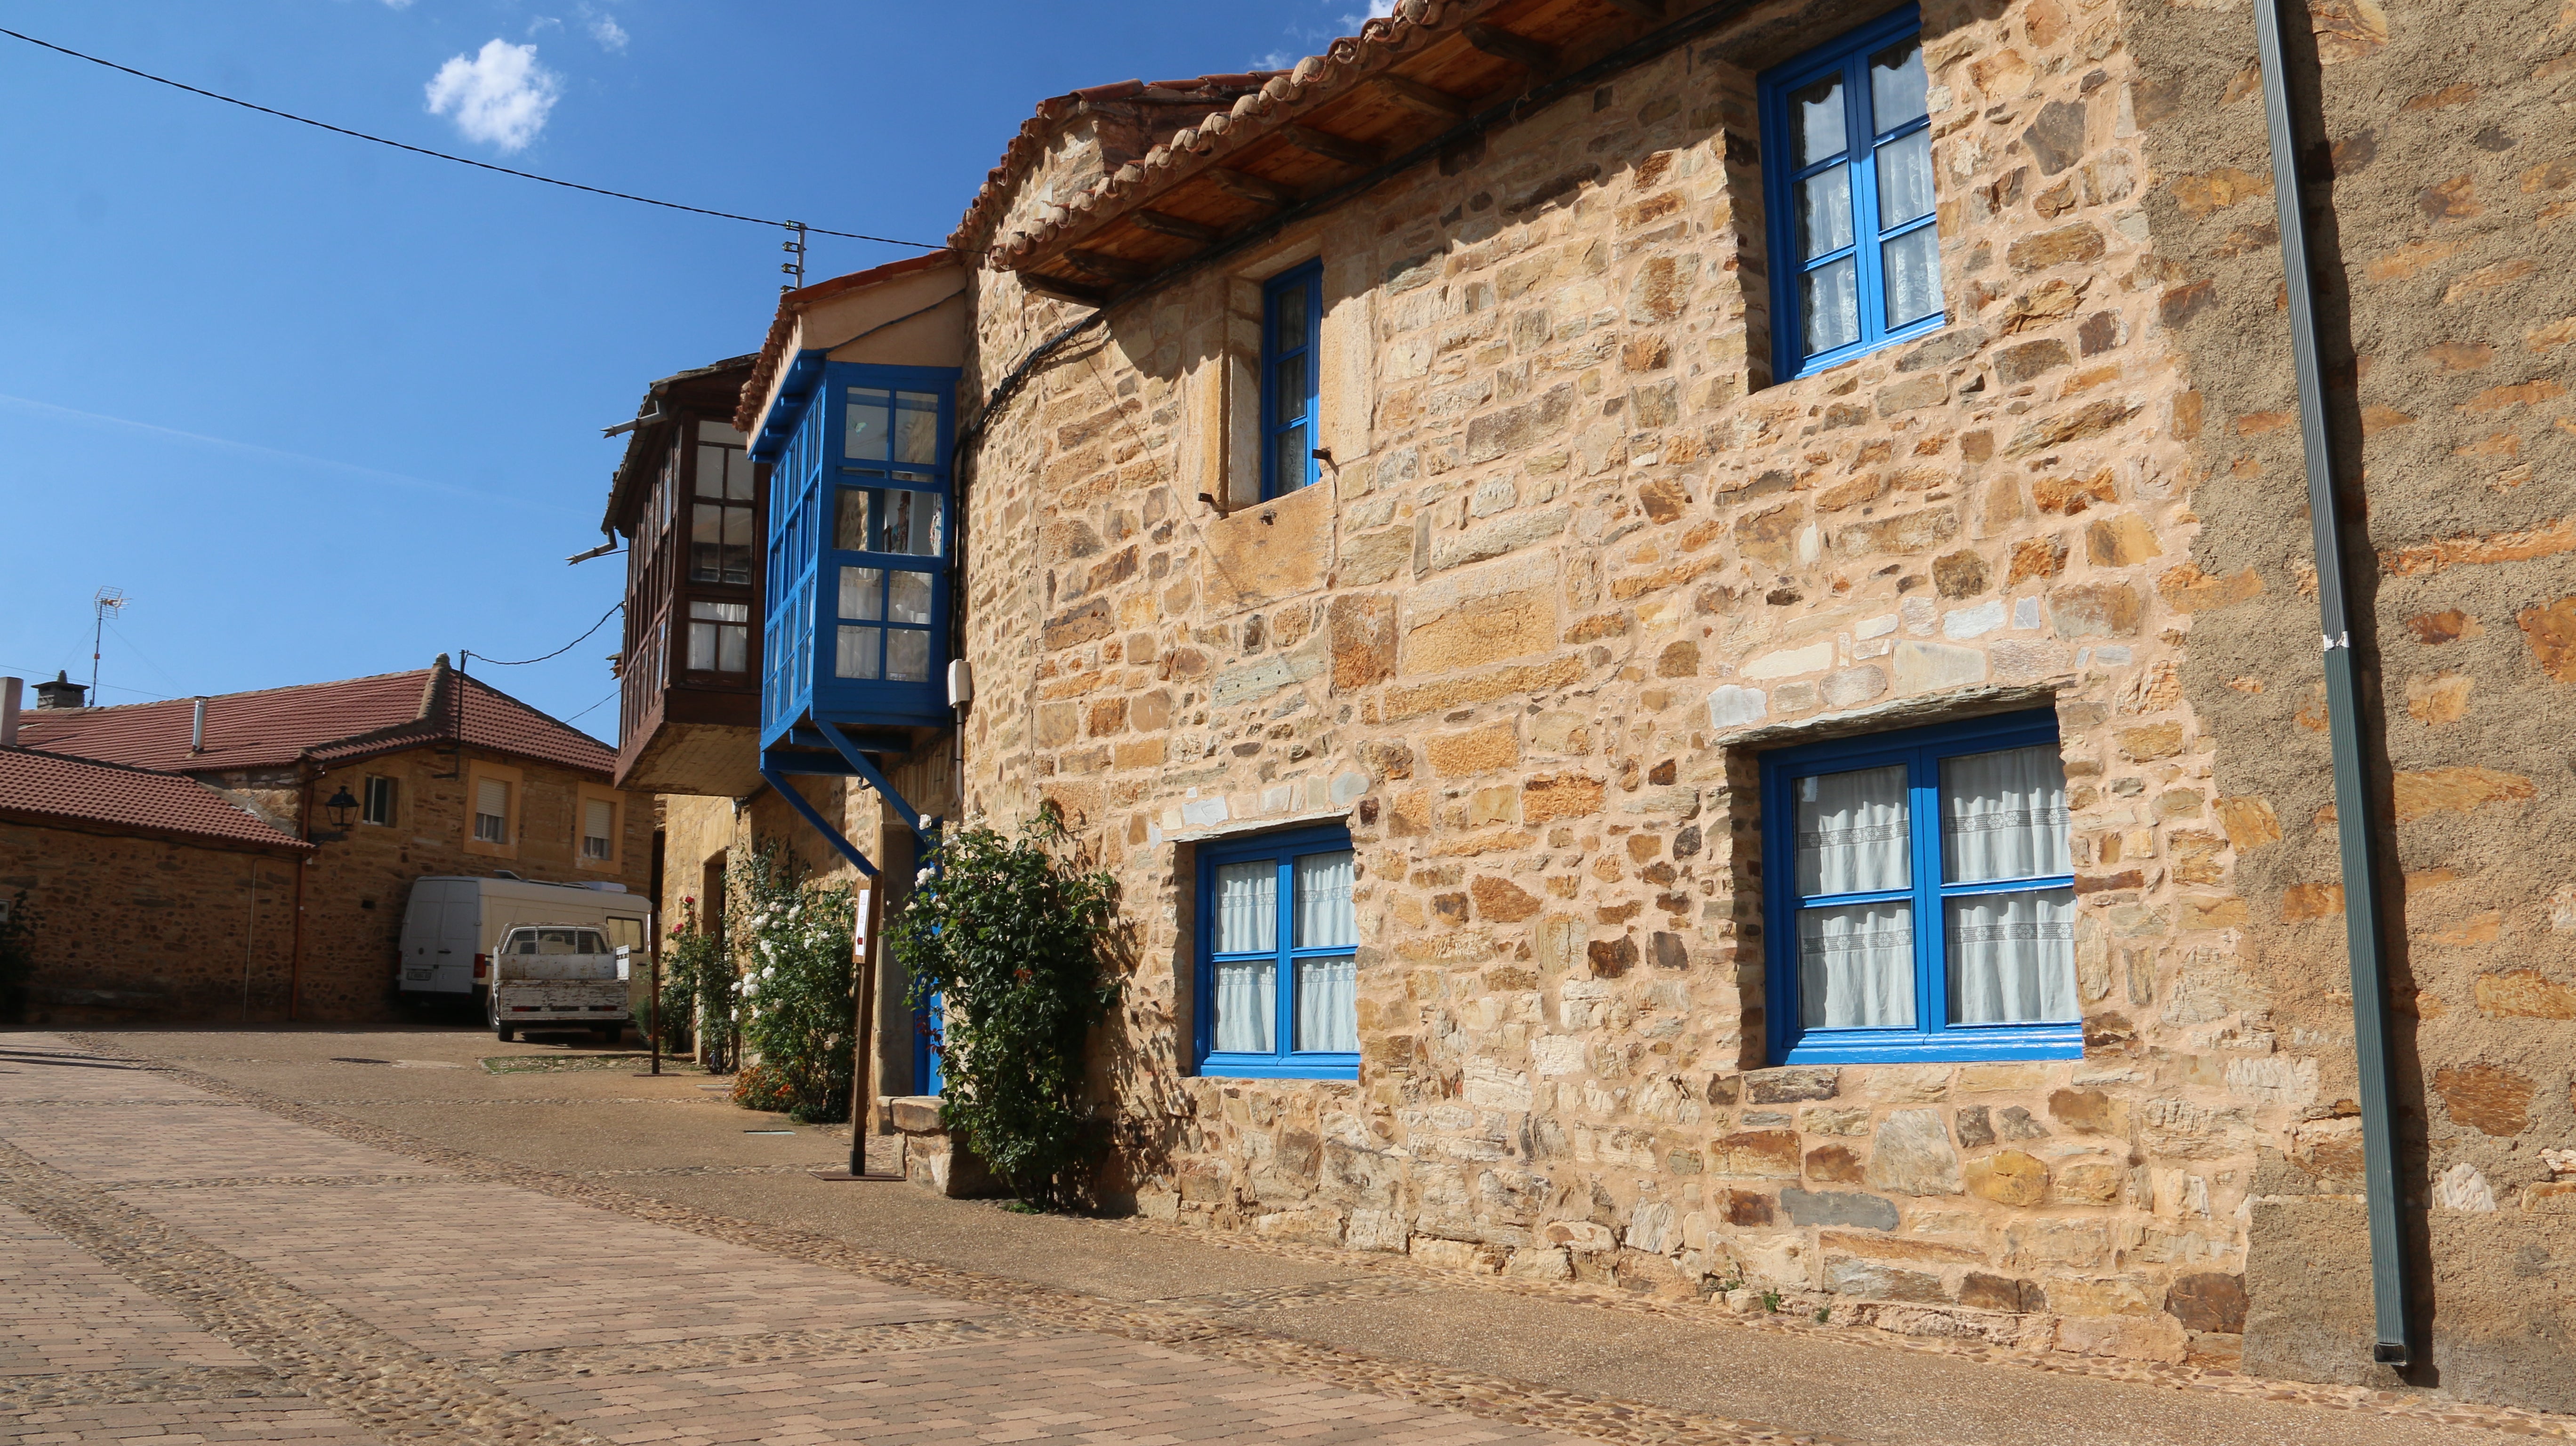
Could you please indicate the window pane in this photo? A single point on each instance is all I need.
(1323, 918)
(911, 523)
(1824, 212)
(733, 649)
(916, 423)
(1856, 966)
(1289, 458)
(864, 424)
(1816, 121)
(1904, 180)
(1287, 390)
(2003, 816)
(1247, 907)
(706, 542)
(907, 655)
(1896, 85)
(738, 475)
(862, 593)
(720, 432)
(721, 612)
(850, 530)
(702, 646)
(1832, 309)
(1853, 832)
(856, 655)
(1913, 263)
(2012, 958)
(1247, 1000)
(908, 599)
(1328, 1005)
(1288, 319)
(711, 471)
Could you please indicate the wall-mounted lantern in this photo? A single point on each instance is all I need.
(342, 808)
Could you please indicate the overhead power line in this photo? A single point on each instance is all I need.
(557, 653)
(460, 160)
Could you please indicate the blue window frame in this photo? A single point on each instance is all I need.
(1847, 181)
(1919, 896)
(1277, 948)
(1292, 328)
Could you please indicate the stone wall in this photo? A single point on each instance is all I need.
(133, 926)
(1578, 558)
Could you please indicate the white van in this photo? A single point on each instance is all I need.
(453, 926)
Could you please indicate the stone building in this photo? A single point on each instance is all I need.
(371, 782)
(1774, 536)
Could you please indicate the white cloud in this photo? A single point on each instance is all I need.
(609, 34)
(500, 96)
(1378, 10)
(397, 4)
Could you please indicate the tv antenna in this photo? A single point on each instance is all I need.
(106, 603)
(794, 266)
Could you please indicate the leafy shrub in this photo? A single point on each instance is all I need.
(697, 987)
(758, 1087)
(1014, 940)
(799, 982)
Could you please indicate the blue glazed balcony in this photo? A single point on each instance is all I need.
(860, 533)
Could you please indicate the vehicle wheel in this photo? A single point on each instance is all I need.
(610, 1034)
(502, 1032)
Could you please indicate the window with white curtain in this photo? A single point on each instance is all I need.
(1921, 895)
(1279, 974)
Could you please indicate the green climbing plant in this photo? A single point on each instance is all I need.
(693, 968)
(798, 985)
(1013, 935)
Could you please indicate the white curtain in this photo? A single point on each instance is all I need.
(1328, 1005)
(1247, 907)
(1852, 832)
(1246, 1002)
(2004, 815)
(1324, 902)
(1856, 966)
(2012, 958)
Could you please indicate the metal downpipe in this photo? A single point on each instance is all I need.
(2357, 844)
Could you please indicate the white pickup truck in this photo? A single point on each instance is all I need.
(549, 976)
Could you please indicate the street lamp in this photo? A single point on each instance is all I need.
(341, 807)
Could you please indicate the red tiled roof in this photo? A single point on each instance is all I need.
(325, 722)
(51, 786)
(791, 304)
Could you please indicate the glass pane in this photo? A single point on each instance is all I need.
(1247, 1000)
(908, 597)
(706, 542)
(720, 432)
(862, 592)
(1896, 85)
(721, 612)
(711, 471)
(2003, 816)
(702, 646)
(1290, 457)
(912, 523)
(1833, 311)
(733, 650)
(1824, 212)
(1323, 919)
(907, 655)
(863, 424)
(2012, 958)
(1904, 180)
(850, 531)
(1913, 263)
(738, 476)
(1816, 122)
(1856, 966)
(1328, 1015)
(1247, 907)
(856, 655)
(1288, 319)
(916, 423)
(1853, 831)
(1287, 390)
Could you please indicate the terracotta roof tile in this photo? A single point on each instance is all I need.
(83, 790)
(325, 722)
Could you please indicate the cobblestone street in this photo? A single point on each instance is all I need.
(192, 1253)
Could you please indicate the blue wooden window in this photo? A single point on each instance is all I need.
(1919, 896)
(1847, 182)
(1277, 947)
(1292, 328)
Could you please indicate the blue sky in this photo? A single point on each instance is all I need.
(324, 409)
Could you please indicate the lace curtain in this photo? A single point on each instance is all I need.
(1855, 962)
(1327, 989)
(2012, 956)
(1247, 921)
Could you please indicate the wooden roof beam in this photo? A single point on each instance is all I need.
(1163, 223)
(1331, 147)
(1502, 44)
(1249, 187)
(1649, 11)
(1063, 290)
(1100, 263)
(1413, 95)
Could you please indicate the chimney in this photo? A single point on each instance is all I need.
(60, 693)
(197, 728)
(10, 690)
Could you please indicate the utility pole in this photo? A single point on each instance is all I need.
(104, 604)
(794, 266)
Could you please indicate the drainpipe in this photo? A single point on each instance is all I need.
(197, 730)
(2358, 844)
(303, 866)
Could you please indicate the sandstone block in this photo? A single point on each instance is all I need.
(1480, 750)
(2098, 610)
(2550, 632)
(2208, 1302)
(1839, 1207)
(1759, 1153)
(1791, 1083)
(1922, 667)
(2008, 1177)
(2524, 994)
(1912, 1155)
